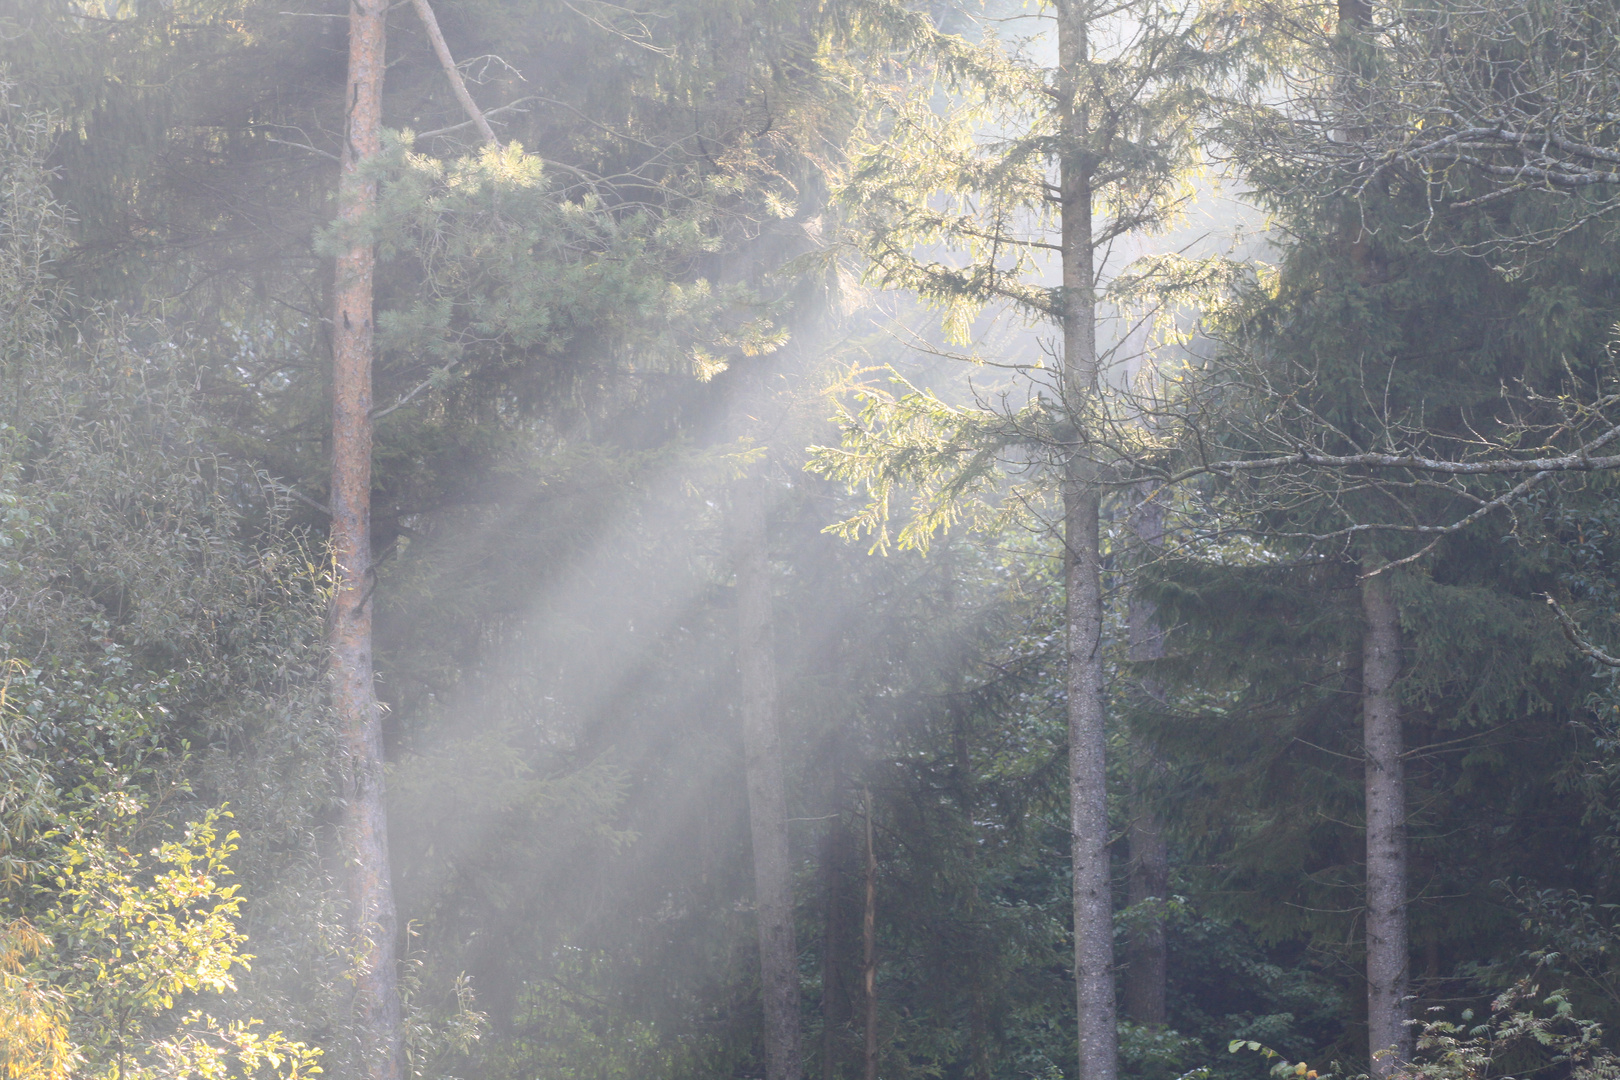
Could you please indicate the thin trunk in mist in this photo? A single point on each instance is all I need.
(1088, 805)
(837, 1009)
(354, 699)
(767, 798)
(1388, 1033)
(978, 1033)
(1147, 967)
(1148, 963)
(869, 944)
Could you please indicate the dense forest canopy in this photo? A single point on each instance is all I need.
(677, 539)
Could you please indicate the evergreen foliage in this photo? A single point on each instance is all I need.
(707, 227)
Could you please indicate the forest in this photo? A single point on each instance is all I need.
(809, 539)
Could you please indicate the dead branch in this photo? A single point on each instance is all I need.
(457, 83)
(1572, 631)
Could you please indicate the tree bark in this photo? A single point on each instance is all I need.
(1088, 813)
(1082, 574)
(1147, 966)
(1389, 1033)
(869, 944)
(354, 700)
(767, 799)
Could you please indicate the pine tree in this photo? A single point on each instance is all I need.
(354, 699)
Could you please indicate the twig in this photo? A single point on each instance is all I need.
(1573, 631)
(301, 146)
(1515, 492)
(301, 497)
(513, 107)
(436, 377)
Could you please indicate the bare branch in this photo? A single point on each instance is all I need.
(1470, 102)
(300, 146)
(457, 83)
(1581, 460)
(301, 497)
(1513, 494)
(1572, 631)
(436, 379)
(512, 107)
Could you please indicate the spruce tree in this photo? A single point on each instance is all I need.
(1378, 478)
(1061, 163)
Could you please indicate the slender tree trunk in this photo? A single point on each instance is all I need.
(371, 899)
(767, 799)
(869, 944)
(1389, 1035)
(1148, 969)
(1148, 887)
(966, 784)
(978, 1033)
(837, 1009)
(1093, 902)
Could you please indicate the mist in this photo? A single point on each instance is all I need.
(783, 540)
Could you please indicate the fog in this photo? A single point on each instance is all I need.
(691, 540)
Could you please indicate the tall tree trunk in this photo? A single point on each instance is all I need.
(869, 944)
(1088, 812)
(1389, 1034)
(371, 894)
(767, 799)
(353, 693)
(1148, 886)
(1389, 1037)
